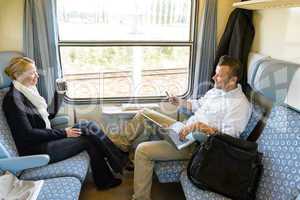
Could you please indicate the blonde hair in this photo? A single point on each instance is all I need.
(17, 66)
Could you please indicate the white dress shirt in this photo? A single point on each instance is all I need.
(229, 112)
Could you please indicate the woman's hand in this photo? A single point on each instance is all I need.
(73, 132)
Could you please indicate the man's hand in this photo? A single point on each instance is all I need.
(73, 132)
(180, 102)
(184, 132)
(174, 100)
(198, 126)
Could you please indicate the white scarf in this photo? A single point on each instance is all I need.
(33, 95)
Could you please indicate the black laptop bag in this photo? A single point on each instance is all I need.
(228, 166)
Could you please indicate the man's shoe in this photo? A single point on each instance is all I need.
(129, 166)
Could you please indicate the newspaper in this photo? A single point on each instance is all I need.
(170, 132)
(11, 188)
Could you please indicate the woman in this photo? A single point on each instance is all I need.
(27, 117)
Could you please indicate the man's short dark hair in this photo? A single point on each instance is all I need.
(233, 63)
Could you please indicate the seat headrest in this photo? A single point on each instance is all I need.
(293, 95)
(272, 78)
(5, 57)
(254, 60)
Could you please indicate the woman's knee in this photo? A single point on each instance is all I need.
(65, 148)
(81, 123)
(89, 127)
(94, 128)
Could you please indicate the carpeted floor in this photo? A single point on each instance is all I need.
(124, 191)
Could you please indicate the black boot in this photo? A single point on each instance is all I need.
(112, 183)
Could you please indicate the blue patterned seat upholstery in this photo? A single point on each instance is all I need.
(6, 138)
(191, 192)
(280, 144)
(76, 166)
(64, 188)
(169, 171)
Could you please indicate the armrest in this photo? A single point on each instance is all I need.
(16, 164)
(3, 152)
(60, 121)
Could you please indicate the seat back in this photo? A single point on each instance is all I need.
(6, 140)
(272, 78)
(260, 105)
(280, 138)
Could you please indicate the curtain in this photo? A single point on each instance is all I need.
(206, 48)
(41, 44)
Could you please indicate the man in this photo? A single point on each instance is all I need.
(224, 109)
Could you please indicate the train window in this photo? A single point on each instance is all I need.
(126, 49)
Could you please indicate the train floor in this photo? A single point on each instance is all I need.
(160, 191)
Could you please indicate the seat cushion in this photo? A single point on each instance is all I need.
(280, 143)
(64, 188)
(193, 193)
(169, 171)
(76, 166)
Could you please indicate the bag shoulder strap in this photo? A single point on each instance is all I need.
(256, 132)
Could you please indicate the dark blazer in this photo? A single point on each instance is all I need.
(237, 39)
(26, 124)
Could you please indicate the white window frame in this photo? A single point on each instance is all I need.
(194, 19)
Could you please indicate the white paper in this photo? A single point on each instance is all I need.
(173, 134)
(177, 126)
(13, 188)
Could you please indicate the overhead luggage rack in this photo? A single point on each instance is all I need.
(266, 4)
